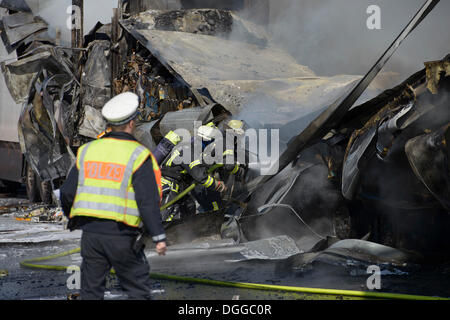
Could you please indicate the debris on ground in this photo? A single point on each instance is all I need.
(42, 214)
(372, 188)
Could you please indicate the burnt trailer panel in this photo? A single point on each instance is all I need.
(10, 110)
(10, 154)
(36, 98)
(236, 63)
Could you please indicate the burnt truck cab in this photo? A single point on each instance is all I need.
(34, 86)
(51, 105)
(12, 164)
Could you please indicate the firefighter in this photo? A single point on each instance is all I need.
(165, 146)
(233, 130)
(178, 175)
(112, 190)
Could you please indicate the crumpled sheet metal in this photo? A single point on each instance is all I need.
(19, 74)
(214, 58)
(234, 72)
(19, 26)
(16, 5)
(96, 89)
(427, 155)
(96, 77)
(354, 253)
(42, 143)
(185, 119)
(93, 123)
(47, 155)
(435, 70)
(143, 134)
(205, 21)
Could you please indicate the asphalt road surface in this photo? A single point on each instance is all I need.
(20, 240)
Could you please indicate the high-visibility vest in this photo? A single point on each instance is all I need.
(104, 188)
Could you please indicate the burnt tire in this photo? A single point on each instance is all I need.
(45, 191)
(31, 184)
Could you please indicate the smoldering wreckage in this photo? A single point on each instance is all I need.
(373, 188)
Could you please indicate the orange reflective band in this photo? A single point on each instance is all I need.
(157, 173)
(101, 135)
(104, 171)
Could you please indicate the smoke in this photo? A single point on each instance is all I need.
(332, 37)
(55, 13)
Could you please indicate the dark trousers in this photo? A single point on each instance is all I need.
(206, 197)
(100, 252)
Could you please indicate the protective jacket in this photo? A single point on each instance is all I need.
(107, 187)
(104, 187)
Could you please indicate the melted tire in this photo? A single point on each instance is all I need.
(31, 185)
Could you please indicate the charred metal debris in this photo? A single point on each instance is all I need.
(62, 99)
(385, 160)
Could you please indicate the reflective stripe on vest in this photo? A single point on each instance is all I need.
(104, 187)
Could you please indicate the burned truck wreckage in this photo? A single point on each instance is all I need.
(381, 173)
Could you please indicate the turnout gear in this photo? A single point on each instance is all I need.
(239, 173)
(165, 146)
(104, 188)
(210, 186)
(196, 169)
(184, 174)
(185, 207)
(173, 138)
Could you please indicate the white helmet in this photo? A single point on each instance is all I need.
(121, 109)
(238, 126)
(207, 132)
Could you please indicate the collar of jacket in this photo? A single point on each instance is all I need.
(119, 135)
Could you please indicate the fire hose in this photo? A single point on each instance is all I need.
(34, 263)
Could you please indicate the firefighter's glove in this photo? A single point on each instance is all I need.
(173, 138)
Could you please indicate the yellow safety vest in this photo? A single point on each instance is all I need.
(104, 188)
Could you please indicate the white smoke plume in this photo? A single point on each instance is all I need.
(55, 13)
(331, 37)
